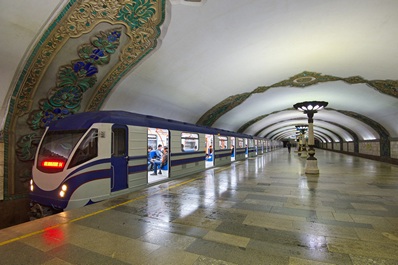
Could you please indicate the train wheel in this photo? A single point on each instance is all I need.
(37, 211)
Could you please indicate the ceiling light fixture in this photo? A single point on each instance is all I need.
(310, 108)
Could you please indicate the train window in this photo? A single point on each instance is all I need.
(56, 149)
(189, 142)
(158, 136)
(240, 143)
(119, 142)
(222, 142)
(152, 141)
(87, 149)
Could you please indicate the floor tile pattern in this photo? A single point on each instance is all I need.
(264, 210)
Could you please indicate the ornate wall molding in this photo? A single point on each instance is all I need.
(223, 107)
(137, 21)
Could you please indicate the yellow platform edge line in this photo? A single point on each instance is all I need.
(216, 170)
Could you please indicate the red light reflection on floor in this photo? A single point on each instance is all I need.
(53, 235)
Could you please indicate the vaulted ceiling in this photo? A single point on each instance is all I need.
(237, 65)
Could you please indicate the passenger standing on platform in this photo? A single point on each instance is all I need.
(289, 146)
(209, 153)
(165, 159)
(150, 164)
(157, 161)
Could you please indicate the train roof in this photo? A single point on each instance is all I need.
(84, 120)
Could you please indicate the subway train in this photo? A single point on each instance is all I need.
(93, 156)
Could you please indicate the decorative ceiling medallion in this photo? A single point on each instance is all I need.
(309, 78)
(302, 81)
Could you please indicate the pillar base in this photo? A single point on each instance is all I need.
(303, 154)
(311, 167)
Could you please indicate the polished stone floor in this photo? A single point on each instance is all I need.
(261, 211)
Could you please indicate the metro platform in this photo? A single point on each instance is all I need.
(264, 210)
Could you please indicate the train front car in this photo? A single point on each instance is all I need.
(68, 172)
(93, 156)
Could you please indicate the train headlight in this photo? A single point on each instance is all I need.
(31, 185)
(64, 188)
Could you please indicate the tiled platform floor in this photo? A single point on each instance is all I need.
(260, 211)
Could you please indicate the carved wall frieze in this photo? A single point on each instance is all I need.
(141, 21)
(214, 113)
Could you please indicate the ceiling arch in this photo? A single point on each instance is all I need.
(326, 118)
(288, 134)
(235, 65)
(289, 131)
(249, 107)
(330, 134)
(321, 137)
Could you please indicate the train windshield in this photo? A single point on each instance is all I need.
(56, 149)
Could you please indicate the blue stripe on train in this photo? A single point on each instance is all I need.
(52, 198)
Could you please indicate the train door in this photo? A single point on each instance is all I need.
(246, 148)
(232, 148)
(252, 151)
(156, 137)
(209, 150)
(119, 158)
(240, 149)
(259, 147)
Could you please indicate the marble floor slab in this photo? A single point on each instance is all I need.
(264, 210)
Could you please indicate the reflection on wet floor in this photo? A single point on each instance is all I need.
(264, 210)
(158, 177)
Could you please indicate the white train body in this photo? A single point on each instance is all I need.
(90, 157)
